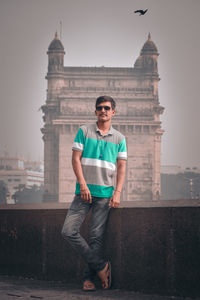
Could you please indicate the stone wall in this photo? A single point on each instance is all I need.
(154, 247)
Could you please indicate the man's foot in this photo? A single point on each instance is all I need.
(88, 286)
(105, 276)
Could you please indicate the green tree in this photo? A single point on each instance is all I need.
(3, 192)
(33, 194)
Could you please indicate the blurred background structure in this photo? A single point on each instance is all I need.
(70, 102)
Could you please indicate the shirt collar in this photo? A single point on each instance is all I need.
(110, 131)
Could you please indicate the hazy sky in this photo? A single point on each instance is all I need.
(96, 33)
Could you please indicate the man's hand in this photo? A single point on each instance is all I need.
(85, 193)
(76, 163)
(115, 200)
(121, 167)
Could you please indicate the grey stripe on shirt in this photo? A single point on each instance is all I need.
(98, 176)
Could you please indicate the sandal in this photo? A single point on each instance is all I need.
(88, 286)
(105, 276)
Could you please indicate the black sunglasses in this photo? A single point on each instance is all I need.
(99, 108)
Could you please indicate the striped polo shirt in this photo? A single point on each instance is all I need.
(99, 156)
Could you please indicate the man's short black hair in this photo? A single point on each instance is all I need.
(104, 99)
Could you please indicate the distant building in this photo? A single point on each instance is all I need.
(179, 183)
(9, 163)
(70, 102)
(193, 170)
(175, 169)
(171, 169)
(13, 173)
(34, 165)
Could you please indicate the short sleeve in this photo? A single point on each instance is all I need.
(122, 151)
(79, 141)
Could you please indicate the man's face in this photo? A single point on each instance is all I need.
(104, 111)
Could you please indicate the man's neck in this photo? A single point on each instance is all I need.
(104, 126)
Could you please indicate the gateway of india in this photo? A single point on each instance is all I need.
(70, 102)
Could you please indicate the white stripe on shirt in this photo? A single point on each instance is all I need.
(122, 155)
(98, 163)
(77, 146)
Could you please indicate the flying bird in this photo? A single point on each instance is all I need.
(141, 11)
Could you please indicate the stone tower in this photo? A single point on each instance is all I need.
(71, 96)
(55, 79)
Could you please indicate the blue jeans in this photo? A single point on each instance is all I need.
(91, 251)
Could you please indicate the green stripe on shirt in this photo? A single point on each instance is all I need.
(97, 190)
(100, 149)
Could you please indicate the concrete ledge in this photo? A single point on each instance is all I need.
(153, 250)
(56, 205)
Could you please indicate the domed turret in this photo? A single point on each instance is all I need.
(56, 56)
(56, 44)
(147, 61)
(149, 47)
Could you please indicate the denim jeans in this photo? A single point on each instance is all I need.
(91, 251)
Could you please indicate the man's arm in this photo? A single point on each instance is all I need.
(76, 164)
(121, 170)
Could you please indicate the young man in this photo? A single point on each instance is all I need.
(98, 150)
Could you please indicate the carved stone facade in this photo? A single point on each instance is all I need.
(71, 96)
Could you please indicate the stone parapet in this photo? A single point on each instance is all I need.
(153, 246)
